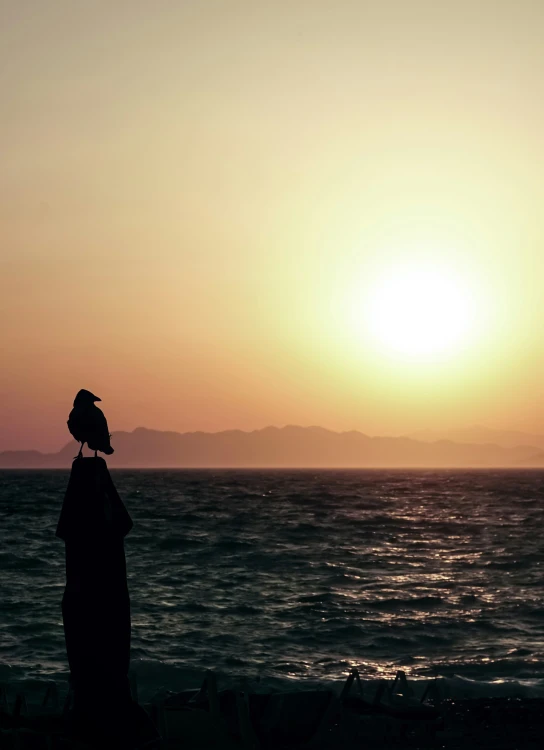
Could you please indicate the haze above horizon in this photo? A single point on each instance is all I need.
(225, 215)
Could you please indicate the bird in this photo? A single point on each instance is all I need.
(87, 424)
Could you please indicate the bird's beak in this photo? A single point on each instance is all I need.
(95, 398)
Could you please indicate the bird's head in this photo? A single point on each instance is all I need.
(85, 398)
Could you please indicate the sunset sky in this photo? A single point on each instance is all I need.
(229, 214)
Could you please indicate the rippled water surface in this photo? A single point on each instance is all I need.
(295, 574)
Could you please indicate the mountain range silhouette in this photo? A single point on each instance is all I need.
(290, 447)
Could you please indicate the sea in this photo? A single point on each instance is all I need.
(284, 580)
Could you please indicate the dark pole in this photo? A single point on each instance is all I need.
(96, 605)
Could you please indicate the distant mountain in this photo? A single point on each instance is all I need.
(481, 435)
(286, 447)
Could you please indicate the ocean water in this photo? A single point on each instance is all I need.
(289, 578)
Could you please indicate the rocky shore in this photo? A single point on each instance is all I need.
(497, 723)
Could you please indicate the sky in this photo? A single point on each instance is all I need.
(223, 214)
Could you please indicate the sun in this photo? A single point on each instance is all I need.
(419, 312)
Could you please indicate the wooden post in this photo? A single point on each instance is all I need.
(96, 605)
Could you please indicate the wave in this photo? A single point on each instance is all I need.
(155, 678)
(395, 603)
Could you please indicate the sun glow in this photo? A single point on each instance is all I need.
(420, 312)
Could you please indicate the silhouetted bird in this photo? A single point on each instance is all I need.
(88, 424)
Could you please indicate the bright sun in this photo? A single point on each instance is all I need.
(419, 313)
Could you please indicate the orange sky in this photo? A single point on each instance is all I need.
(197, 198)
